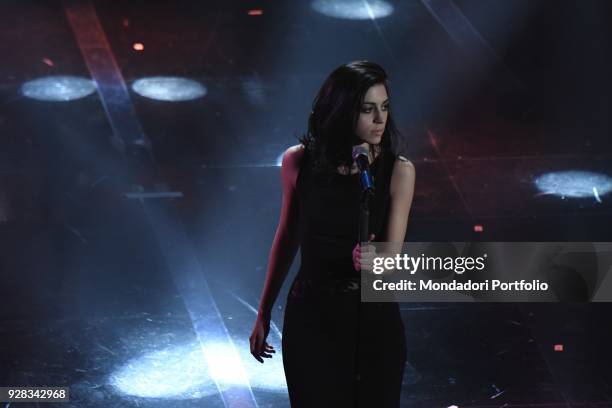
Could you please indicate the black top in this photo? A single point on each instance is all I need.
(329, 217)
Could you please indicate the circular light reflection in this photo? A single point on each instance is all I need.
(172, 89)
(195, 371)
(574, 184)
(178, 373)
(60, 88)
(353, 9)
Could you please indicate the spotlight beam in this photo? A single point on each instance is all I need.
(464, 34)
(217, 348)
(230, 376)
(373, 19)
(273, 325)
(104, 70)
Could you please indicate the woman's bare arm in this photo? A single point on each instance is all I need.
(402, 192)
(285, 244)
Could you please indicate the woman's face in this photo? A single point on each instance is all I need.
(373, 115)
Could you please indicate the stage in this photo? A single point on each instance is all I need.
(140, 189)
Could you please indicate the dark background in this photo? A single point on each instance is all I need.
(524, 91)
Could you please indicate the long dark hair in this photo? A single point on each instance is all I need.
(335, 111)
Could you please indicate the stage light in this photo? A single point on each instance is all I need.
(478, 228)
(255, 12)
(176, 373)
(558, 347)
(353, 9)
(138, 46)
(58, 88)
(170, 89)
(48, 62)
(195, 371)
(279, 159)
(575, 184)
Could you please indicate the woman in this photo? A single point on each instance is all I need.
(338, 352)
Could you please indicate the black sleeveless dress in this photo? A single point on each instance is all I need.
(337, 351)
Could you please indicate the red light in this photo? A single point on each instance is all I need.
(138, 46)
(126, 22)
(255, 12)
(558, 347)
(478, 228)
(47, 61)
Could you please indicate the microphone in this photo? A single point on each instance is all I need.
(360, 156)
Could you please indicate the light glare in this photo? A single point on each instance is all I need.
(195, 371)
(574, 184)
(177, 373)
(170, 89)
(58, 88)
(353, 9)
(279, 159)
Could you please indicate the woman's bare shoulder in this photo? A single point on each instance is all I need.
(403, 176)
(402, 159)
(296, 151)
(292, 159)
(293, 156)
(403, 166)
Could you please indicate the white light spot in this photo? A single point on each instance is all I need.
(279, 159)
(574, 184)
(192, 371)
(225, 365)
(58, 88)
(178, 373)
(171, 89)
(596, 194)
(353, 9)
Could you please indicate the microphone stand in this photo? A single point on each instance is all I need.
(364, 234)
(361, 157)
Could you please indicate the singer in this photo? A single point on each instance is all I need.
(337, 351)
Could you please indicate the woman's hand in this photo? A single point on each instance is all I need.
(363, 257)
(259, 348)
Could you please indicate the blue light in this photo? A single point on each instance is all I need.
(176, 373)
(171, 89)
(254, 90)
(575, 184)
(279, 159)
(353, 9)
(58, 88)
(195, 371)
